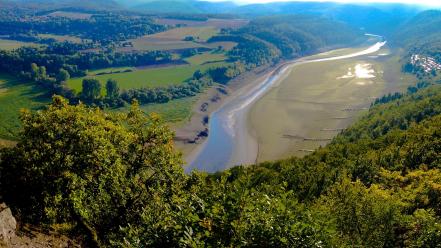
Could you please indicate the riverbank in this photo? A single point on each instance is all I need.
(190, 135)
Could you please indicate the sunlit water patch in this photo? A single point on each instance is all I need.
(360, 71)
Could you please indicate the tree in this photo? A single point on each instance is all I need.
(42, 72)
(198, 74)
(34, 71)
(101, 173)
(112, 89)
(91, 89)
(63, 76)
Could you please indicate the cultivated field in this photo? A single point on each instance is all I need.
(72, 15)
(12, 44)
(173, 39)
(226, 45)
(148, 78)
(109, 70)
(218, 23)
(317, 101)
(15, 95)
(205, 58)
(61, 38)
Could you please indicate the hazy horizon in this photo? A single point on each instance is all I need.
(416, 2)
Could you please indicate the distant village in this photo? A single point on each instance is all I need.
(428, 64)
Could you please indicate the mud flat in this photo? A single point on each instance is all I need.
(316, 101)
(232, 141)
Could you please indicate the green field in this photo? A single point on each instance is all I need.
(71, 15)
(16, 95)
(200, 59)
(109, 70)
(147, 78)
(170, 112)
(173, 39)
(12, 44)
(226, 45)
(61, 38)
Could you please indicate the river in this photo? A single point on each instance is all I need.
(229, 142)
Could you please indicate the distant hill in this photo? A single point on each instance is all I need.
(83, 4)
(378, 18)
(184, 6)
(423, 28)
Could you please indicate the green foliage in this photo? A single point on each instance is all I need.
(63, 76)
(91, 89)
(365, 217)
(112, 89)
(99, 171)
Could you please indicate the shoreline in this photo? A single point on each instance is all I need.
(189, 129)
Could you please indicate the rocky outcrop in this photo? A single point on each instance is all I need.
(8, 224)
(27, 236)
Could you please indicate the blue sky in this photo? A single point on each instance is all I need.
(423, 2)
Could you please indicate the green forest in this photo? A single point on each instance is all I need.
(115, 179)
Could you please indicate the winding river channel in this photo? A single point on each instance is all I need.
(230, 142)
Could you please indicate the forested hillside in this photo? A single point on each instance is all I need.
(270, 39)
(420, 37)
(423, 28)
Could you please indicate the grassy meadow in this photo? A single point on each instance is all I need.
(16, 95)
(204, 58)
(71, 15)
(147, 78)
(173, 39)
(212, 22)
(109, 70)
(12, 44)
(171, 112)
(61, 38)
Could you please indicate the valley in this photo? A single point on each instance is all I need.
(203, 123)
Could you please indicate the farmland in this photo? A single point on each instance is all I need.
(173, 39)
(205, 58)
(15, 95)
(148, 78)
(61, 38)
(12, 44)
(212, 22)
(71, 15)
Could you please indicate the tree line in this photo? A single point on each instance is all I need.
(104, 28)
